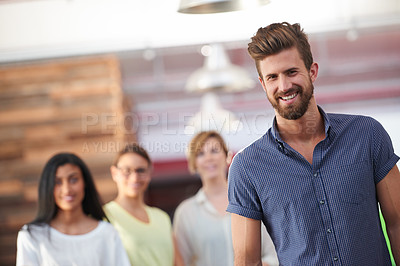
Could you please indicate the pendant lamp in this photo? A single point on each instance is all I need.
(217, 6)
(212, 116)
(218, 73)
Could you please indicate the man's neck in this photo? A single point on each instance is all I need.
(303, 134)
(305, 129)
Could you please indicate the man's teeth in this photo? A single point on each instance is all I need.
(286, 98)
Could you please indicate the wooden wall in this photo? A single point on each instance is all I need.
(74, 105)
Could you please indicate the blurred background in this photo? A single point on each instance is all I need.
(88, 76)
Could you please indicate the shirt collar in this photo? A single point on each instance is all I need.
(327, 124)
(200, 196)
(201, 199)
(328, 132)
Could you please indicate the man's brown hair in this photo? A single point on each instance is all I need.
(277, 37)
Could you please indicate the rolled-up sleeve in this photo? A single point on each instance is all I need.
(243, 199)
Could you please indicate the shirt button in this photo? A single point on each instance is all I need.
(335, 258)
(322, 202)
(329, 230)
(315, 175)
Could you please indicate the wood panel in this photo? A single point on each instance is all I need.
(73, 105)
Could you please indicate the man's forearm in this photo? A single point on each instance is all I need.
(394, 238)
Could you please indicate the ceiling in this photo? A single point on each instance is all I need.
(40, 29)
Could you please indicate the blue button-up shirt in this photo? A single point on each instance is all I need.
(324, 213)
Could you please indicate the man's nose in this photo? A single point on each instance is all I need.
(284, 83)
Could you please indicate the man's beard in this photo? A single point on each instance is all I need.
(294, 111)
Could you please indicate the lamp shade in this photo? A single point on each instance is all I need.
(218, 73)
(212, 116)
(217, 6)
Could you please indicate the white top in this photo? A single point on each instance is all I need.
(204, 236)
(46, 246)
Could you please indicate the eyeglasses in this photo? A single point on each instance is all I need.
(141, 172)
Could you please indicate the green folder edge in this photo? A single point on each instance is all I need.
(386, 237)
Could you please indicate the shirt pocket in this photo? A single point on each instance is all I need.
(351, 182)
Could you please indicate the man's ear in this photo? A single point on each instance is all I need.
(314, 71)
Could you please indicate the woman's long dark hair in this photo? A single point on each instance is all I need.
(47, 208)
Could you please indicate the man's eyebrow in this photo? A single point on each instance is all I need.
(291, 69)
(285, 71)
(270, 75)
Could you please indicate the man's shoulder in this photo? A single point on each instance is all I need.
(253, 146)
(259, 148)
(349, 117)
(344, 120)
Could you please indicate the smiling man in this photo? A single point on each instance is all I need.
(314, 179)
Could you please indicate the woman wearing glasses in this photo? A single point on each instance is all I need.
(146, 232)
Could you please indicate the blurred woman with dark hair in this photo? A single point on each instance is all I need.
(69, 227)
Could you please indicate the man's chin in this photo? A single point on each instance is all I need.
(291, 113)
